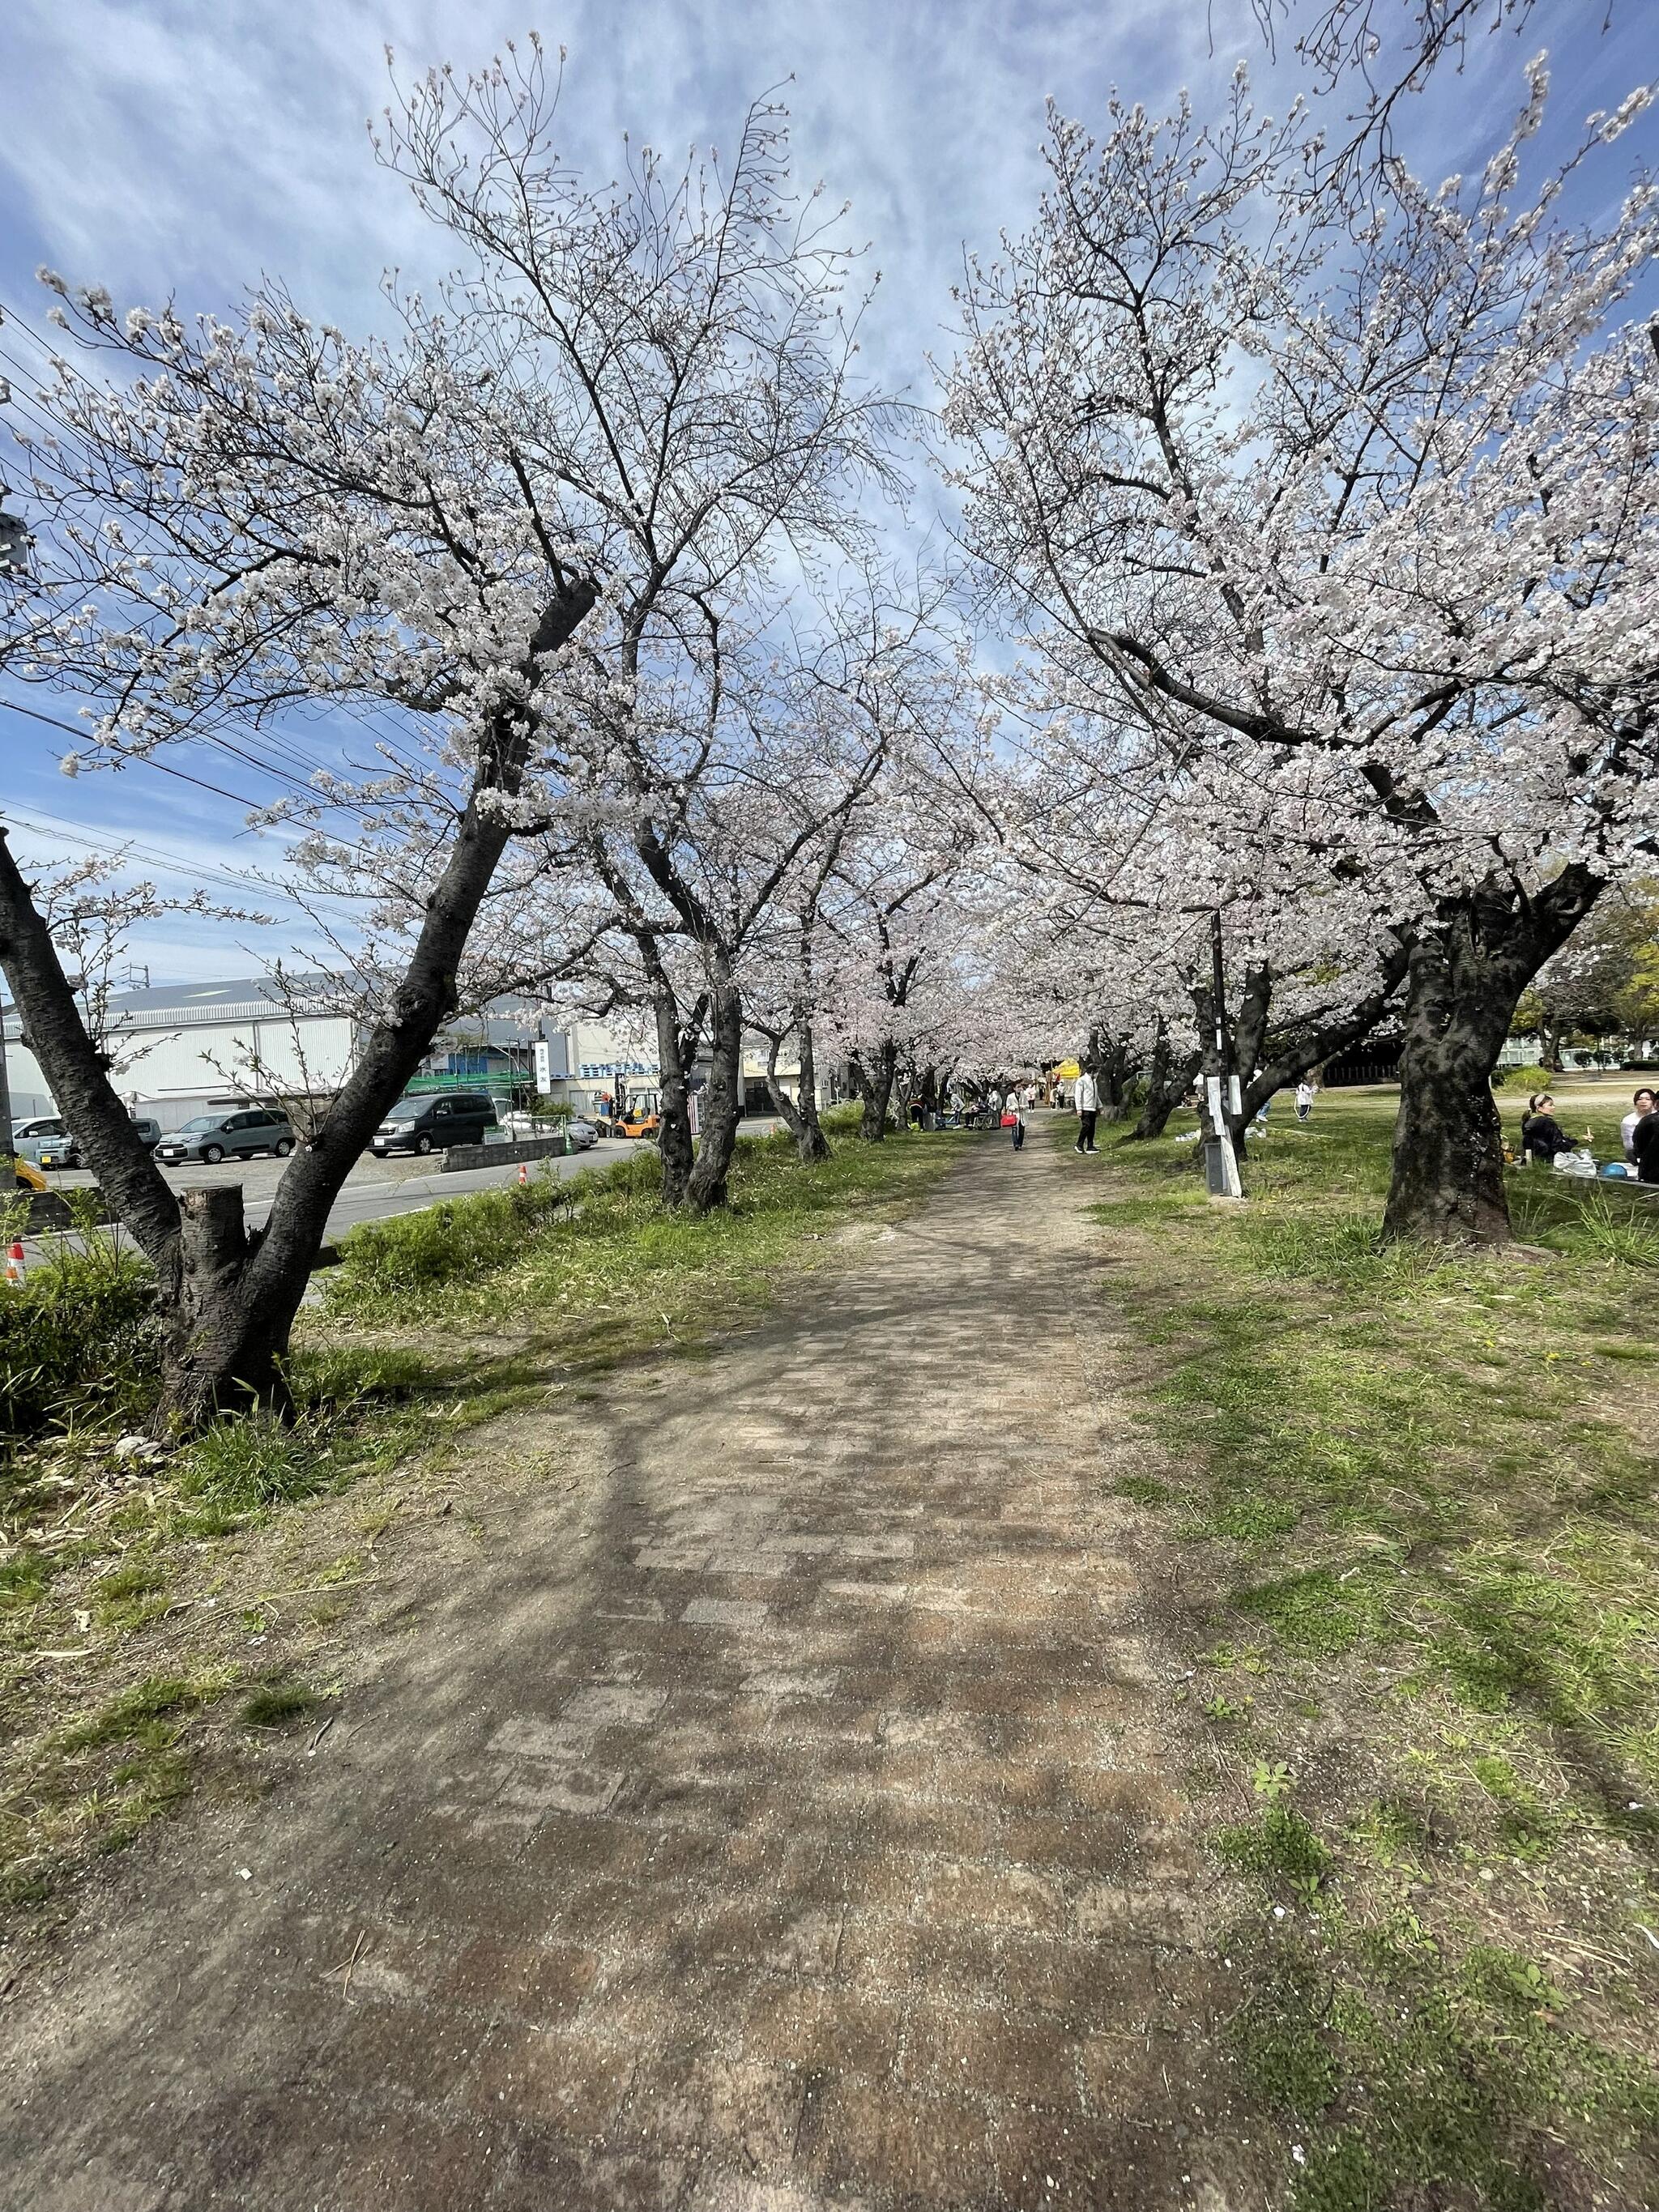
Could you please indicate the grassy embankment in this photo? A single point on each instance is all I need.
(164, 1621)
(1412, 1498)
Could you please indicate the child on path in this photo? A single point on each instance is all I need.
(1305, 1095)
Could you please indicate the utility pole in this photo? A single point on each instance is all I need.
(1222, 1090)
(15, 545)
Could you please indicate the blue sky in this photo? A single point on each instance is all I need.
(183, 147)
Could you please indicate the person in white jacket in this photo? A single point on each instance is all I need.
(1087, 1101)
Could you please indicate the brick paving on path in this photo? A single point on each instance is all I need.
(791, 1822)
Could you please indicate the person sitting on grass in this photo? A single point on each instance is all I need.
(1642, 1103)
(1541, 1134)
(1645, 1143)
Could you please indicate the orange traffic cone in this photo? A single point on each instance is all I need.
(524, 1171)
(16, 1269)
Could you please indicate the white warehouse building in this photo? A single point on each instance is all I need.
(184, 1048)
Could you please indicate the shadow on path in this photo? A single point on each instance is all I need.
(791, 1830)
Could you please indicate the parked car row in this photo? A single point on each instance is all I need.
(46, 1140)
(422, 1124)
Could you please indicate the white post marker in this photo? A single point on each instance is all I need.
(1232, 1187)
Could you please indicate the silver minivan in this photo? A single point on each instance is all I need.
(212, 1137)
(27, 1137)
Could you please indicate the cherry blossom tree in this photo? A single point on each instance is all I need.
(1275, 471)
(630, 402)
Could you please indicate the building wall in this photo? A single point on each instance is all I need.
(172, 1072)
(593, 1055)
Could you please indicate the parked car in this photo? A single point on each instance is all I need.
(28, 1176)
(49, 1141)
(581, 1134)
(64, 1152)
(28, 1136)
(212, 1137)
(433, 1124)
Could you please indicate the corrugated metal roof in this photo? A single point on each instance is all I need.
(253, 999)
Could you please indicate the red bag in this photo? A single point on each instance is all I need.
(1009, 1119)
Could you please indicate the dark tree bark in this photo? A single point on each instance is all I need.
(801, 1120)
(1115, 1067)
(1168, 1079)
(227, 1300)
(875, 1088)
(677, 1049)
(722, 1101)
(1283, 1057)
(1467, 971)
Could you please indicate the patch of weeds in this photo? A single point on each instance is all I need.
(1247, 1518)
(1218, 1708)
(131, 1594)
(1144, 1490)
(25, 1579)
(159, 1698)
(1312, 1612)
(1280, 1844)
(345, 1569)
(1387, 1832)
(156, 1779)
(244, 1466)
(1527, 1827)
(277, 1703)
(1406, 2078)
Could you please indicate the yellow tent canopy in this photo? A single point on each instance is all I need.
(1068, 1071)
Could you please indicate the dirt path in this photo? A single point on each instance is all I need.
(795, 1827)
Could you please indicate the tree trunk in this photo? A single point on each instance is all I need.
(812, 1143)
(875, 1089)
(1115, 1068)
(1467, 971)
(676, 1048)
(1277, 1062)
(800, 1118)
(1167, 1082)
(226, 1336)
(722, 1102)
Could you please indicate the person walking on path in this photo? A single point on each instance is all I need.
(1019, 1124)
(1087, 1098)
(1305, 1094)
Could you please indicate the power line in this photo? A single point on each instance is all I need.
(119, 845)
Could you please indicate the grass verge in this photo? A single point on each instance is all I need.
(1413, 1494)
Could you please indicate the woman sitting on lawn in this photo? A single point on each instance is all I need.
(1541, 1134)
(1645, 1146)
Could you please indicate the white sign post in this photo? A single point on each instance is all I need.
(1231, 1187)
(543, 1066)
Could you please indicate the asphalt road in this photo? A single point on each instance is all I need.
(374, 1189)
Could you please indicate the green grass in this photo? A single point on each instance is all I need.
(276, 1703)
(597, 1269)
(1419, 1486)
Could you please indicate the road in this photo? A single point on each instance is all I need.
(374, 1189)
